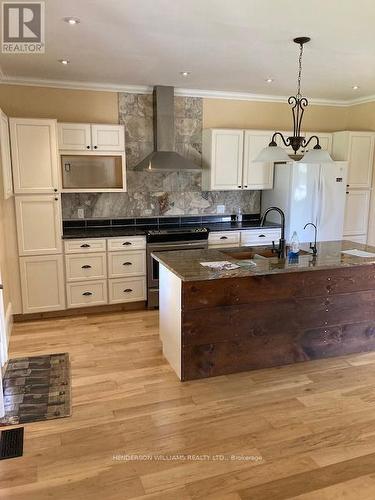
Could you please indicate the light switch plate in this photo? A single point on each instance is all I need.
(81, 213)
(220, 209)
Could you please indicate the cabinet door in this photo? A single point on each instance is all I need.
(74, 136)
(356, 212)
(39, 225)
(325, 141)
(34, 155)
(361, 157)
(42, 283)
(6, 165)
(108, 137)
(256, 175)
(227, 159)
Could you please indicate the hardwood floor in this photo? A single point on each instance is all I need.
(309, 427)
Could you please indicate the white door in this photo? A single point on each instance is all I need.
(332, 192)
(74, 136)
(356, 212)
(6, 164)
(34, 155)
(304, 201)
(39, 225)
(227, 159)
(42, 283)
(108, 137)
(361, 158)
(256, 175)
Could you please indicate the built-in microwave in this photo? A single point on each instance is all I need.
(99, 172)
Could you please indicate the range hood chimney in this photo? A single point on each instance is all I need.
(164, 158)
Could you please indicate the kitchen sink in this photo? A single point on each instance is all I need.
(256, 253)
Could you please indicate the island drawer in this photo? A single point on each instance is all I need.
(88, 266)
(85, 246)
(88, 293)
(128, 263)
(127, 290)
(224, 238)
(256, 237)
(128, 243)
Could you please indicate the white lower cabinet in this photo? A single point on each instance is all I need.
(90, 266)
(127, 289)
(260, 237)
(224, 239)
(130, 263)
(42, 279)
(87, 293)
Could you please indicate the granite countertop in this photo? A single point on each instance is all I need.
(113, 231)
(186, 263)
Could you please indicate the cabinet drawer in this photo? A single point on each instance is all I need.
(90, 266)
(88, 293)
(130, 243)
(85, 246)
(256, 237)
(130, 263)
(127, 290)
(224, 238)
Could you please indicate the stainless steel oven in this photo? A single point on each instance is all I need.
(198, 241)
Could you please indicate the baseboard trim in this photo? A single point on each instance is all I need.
(130, 306)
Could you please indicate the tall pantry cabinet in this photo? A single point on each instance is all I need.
(357, 148)
(38, 213)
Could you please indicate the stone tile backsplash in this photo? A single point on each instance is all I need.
(159, 193)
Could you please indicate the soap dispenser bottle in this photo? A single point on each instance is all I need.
(294, 247)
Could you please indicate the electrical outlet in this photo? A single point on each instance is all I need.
(220, 209)
(81, 213)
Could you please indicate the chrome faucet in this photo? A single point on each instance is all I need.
(313, 246)
(281, 249)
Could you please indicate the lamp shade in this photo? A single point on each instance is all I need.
(316, 156)
(272, 153)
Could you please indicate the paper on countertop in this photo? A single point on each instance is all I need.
(358, 253)
(222, 265)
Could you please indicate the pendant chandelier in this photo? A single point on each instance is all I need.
(298, 103)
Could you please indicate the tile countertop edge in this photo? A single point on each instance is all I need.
(201, 273)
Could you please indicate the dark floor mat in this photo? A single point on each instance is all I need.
(11, 443)
(36, 388)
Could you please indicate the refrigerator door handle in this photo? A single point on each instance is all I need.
(316, 200)
(321, 199)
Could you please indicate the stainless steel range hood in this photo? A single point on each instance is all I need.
(164, 158)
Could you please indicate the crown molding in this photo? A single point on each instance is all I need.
(147, 89)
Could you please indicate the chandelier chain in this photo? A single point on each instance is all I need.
(299, 95)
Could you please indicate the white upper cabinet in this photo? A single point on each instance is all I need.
(91, 137)
(108, 137)
(222, 155)
(6, 164)
(39, 225)
(358, 149)
(34, 155)
(325, 141)
(256, 175)
(74, 136)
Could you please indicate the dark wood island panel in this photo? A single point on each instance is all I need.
(245, 323)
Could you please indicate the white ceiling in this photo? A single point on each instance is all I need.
(227, 45)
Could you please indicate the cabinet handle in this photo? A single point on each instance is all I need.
(87, 294)
(347, 192)
(95, 147)
(348, 185)
(127, 243)
(261, 236)
(85, 245)
(128, 290)
(87, 147)
(240, 187)
(127, 264)
(245, 186)
(56, 199)
(223, 237)
(55, 190)
(86, 266)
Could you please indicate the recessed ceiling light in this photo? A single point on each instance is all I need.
(185, 73)
(355, 87)
(72, 20)
(269, 80)
(64, 61)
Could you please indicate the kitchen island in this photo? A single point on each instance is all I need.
(268, 311)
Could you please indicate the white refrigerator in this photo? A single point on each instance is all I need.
(309, 193)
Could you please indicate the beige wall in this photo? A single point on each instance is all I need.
(362, 116)
(225, 113)
(65, 105)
